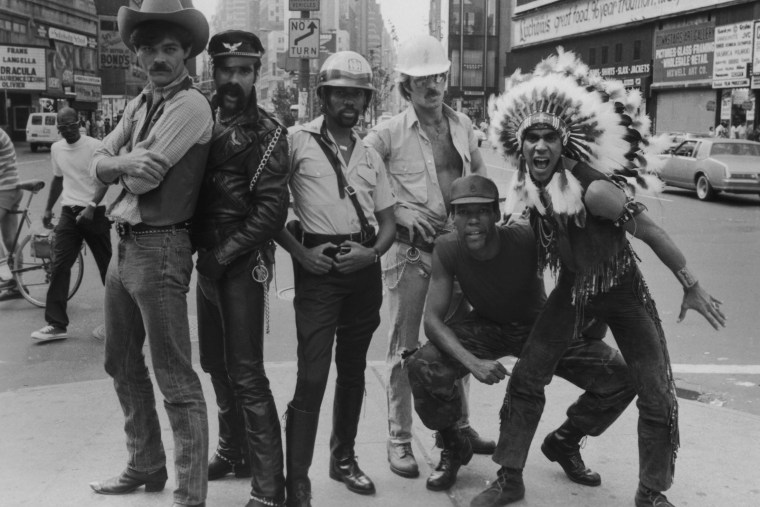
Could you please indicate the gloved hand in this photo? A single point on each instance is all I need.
(208, 266)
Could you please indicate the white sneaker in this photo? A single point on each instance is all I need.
(49, 333)
(99, 333)
(5, 271)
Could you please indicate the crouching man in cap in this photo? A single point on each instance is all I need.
(243, 204)
(497, 269)
(157, 155)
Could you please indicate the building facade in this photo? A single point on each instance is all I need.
(692, 61)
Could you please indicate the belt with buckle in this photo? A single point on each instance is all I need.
(311, 240)
(124, 229)
(403, 236)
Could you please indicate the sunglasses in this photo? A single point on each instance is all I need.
(435, 78)
(68, 126)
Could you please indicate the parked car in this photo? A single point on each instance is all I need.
(479, 135)
(41, 130)
(712, 165)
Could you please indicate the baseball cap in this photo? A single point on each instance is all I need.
(473, 189)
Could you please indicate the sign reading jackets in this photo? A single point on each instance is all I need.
(22, 68)
(684, 54)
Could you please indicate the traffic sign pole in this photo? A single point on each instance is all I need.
(303, 74)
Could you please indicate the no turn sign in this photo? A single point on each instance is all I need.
(303, 35)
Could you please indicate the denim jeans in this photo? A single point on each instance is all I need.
(630, 314)
(231, 344)
(588, 363)
(68, 241)
(146, 294)
(407, 284)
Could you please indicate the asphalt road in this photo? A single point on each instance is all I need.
(720, 239)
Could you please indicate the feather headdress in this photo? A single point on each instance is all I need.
(599, 121)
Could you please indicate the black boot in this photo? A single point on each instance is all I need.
(507, 488)
(300, 435)
(563, 446)
(343, 465)
(457, 451)
(264, 439)
(480, 445)
(231, 454)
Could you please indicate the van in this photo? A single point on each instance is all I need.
(42, 130)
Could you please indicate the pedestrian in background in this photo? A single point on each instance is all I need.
(83, 218)
(344, 202)
(10, 197)
(425, 148)
(157, 155)
(243, 203)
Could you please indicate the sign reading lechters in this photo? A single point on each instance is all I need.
(303, 5)
(22, 68)
(303, 35)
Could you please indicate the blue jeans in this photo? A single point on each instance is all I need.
(146, 293)
(68, 241)
(629, 311)
(407, 284)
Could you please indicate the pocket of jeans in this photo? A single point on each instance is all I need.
(150, 241)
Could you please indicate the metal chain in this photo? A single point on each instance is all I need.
(260, 274)
(412, 257)
(265, 158)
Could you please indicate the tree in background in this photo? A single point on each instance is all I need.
(282, 99)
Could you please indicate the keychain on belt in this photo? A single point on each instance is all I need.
(260, 274)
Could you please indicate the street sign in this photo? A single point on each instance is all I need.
(303, 5)
(303, 35)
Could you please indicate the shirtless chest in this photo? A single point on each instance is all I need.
(448, 162)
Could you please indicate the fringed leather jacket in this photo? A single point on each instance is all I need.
(231, 218)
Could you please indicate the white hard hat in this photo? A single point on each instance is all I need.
(422, 56)
(346, 69)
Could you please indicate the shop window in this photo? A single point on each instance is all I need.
(637, 50)
(618, 52)
(592, 56)
(605, 54)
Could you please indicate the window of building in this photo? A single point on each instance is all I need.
(454, 72)
(472, 68)
(605, 54)
(19, 28)
(454, 20)
(592, 56)
(637, 50)
(491, 18)
(618, 52)
(474, 17)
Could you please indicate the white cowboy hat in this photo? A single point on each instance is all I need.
(171, 11)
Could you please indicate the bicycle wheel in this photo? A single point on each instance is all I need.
(33, 273)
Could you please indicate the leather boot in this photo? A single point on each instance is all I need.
(264, 442)
(480, 445)
(507, 488)
(457, 451)
(646, 497)
(563, 446)
(231, 454)
(129, 480)
(300, 435)
(343, 464)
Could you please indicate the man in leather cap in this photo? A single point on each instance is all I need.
(157, 156)
(243, 204)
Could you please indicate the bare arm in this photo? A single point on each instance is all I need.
(436, 306)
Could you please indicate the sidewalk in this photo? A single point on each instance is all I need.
(57, 439)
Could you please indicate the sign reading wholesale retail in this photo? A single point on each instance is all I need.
(684, 54)
(22, 68)
(733, 51)
(562, 19)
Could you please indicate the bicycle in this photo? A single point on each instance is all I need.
(30, 260)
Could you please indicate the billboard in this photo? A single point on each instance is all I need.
(684, 54)
(22, 68)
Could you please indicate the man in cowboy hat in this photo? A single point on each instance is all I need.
(243, 204)
(157, 155)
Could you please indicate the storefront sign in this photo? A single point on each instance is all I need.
(684, 53)
(756, 59)
(113, 53)
(733, 51)
(22, 68)
(88, 93)
(569, 18)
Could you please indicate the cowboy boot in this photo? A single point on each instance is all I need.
(343, 464)
(563, 446)
(457, 451)
(300, 435)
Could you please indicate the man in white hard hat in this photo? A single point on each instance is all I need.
(425, 148)
(344, 202)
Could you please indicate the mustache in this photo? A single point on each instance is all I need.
(160, 67)
(432, 94)
(231, 89)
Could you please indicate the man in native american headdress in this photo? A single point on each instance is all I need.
(580, 148)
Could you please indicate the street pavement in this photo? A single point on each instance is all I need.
(57, 439)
